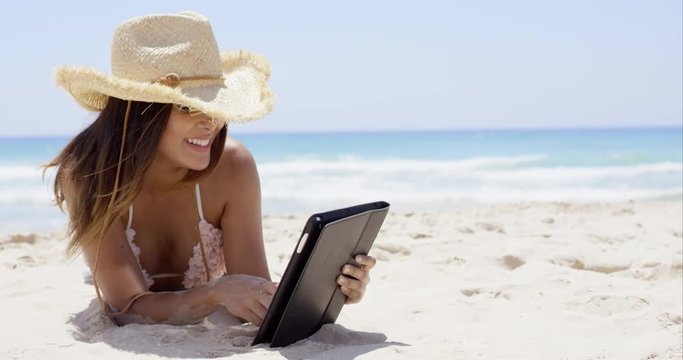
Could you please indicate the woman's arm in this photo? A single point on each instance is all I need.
(245, 256)
(241, 220)
(191, 306)
(120, 279)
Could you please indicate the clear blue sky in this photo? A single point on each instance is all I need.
(384, 65)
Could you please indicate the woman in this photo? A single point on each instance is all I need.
(163, 204)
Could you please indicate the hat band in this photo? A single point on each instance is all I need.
(173, 79)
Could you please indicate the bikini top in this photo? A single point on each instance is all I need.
(206, 255)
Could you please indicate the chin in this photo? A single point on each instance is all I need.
(197, 166)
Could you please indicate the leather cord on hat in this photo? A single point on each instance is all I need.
(173, 79)
(110, 313)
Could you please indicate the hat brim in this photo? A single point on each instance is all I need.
(242, 96)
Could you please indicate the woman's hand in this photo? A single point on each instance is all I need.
(245, 296)
(353, 285)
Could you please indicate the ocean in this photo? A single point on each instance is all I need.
(423, 171)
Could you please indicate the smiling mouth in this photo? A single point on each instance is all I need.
(198, 142)
(199, 145)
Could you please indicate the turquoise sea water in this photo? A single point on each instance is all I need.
(412, 170)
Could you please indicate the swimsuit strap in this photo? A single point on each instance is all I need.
(201, 243)
(130, 216)
(198, 196)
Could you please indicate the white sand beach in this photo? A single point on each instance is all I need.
(522, 281)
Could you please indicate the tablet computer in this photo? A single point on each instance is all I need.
(308, 295)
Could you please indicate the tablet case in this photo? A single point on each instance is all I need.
(308, 295)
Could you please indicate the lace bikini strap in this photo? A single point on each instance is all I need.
(201, 243)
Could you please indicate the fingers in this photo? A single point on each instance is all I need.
(247, 297)
(361, 272)
(259, 310)
(358, 277)
(263, 298)
(366, 262)
(357, 273)
(352, 284)
(270, 288)
(252, 317)
(352, 296)
(256, 307)
(252, 312)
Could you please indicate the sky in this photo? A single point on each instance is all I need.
(384, 65)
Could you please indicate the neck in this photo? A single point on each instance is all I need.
(160, 177)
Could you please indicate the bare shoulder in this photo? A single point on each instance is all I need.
(236, 160)
(236, 171)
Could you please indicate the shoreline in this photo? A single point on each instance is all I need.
(526, 280)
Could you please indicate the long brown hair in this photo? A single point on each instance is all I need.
(86, 177)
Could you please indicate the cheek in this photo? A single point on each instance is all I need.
(175, 128)
(166, 146)
(171, 140)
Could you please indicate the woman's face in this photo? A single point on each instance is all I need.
(187, 139)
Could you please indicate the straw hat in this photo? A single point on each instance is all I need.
(175, 59)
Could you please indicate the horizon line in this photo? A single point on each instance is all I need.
(406, 130)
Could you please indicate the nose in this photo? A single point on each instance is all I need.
(208, 123)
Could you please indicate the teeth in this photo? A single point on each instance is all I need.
(198, 142)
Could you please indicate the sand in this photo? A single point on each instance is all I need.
(521, 281)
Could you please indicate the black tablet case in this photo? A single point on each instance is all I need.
(308, 295)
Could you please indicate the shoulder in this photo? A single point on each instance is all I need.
(236, 172)
(235, 159)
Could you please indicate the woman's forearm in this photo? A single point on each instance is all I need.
(173, 307)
